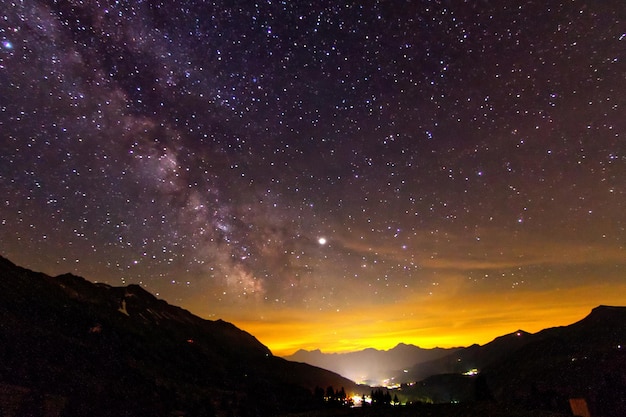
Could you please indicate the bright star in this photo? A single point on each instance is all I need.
(321, 240)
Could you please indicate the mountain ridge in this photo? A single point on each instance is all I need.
(369, 366)
(95, 349)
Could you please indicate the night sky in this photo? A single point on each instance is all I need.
(323, 174)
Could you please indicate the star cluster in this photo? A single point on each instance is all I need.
(248, 159)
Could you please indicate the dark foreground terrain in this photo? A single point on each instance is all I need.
(69, 347)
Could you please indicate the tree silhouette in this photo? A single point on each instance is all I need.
(330, 393)
(341, 395)
(318, 395)
(380, 398)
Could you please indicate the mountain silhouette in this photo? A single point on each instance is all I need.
(540, 371)
(69, 347)
(466, 359)
(586, 359)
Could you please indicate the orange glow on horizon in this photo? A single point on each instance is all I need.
(438, 321)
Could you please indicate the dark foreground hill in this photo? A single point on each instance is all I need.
(586, 359)
(69, 347)
(540, 371)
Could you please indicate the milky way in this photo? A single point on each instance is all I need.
(251, 159)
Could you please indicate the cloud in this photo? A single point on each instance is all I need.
(493, 250)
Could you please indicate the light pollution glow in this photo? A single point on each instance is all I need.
(439, 321)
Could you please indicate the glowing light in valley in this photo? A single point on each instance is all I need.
(471, 372)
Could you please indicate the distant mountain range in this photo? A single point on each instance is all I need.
(372, 366)
(69, 347)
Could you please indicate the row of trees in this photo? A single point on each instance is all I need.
(333, 397)
(382, 398)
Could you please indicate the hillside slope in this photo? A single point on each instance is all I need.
(542, 371)
(586, 359)
(75, 348)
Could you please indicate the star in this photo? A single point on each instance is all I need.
(204, 151)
